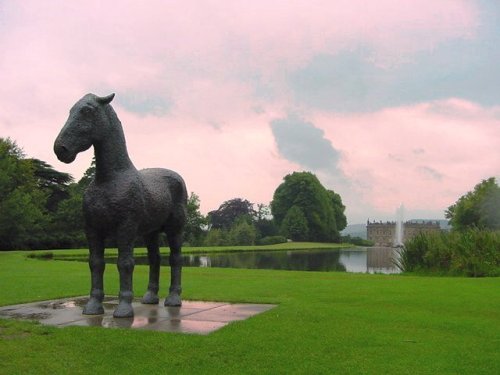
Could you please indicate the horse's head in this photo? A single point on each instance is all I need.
(86, 125)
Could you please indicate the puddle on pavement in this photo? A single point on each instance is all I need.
(193, 317)
(27, 316)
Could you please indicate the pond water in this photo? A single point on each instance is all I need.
(366, 260)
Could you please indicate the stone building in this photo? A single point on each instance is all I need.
(384, 234)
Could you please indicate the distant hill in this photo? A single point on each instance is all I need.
(355, 230)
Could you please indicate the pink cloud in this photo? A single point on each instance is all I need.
(207, 60)
(217, 163)
(425, 156)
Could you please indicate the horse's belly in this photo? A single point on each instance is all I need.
(157, 208)
(108, 209)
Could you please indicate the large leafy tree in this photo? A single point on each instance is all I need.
(294, 225)
(338, 209)
(21, 201)
(478, 208)
(236, 222)
(67, 221)
(304, 190)
(55, 183)
(229, 212)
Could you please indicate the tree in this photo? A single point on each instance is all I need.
(242, 233)
(67, 222)
(264, 223)
(216, 237)
(47, 176)
(338, 209)
(15, 170)
(303, 189)
(294, 225)
(490, 210)
(263, 212)
(193, 232)
(22, 204)
(55, 183)
(229, 212)
(479, 208)
(88, 176)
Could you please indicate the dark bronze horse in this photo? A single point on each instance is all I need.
(123, 203)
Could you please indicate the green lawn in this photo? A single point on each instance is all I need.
(326, 323)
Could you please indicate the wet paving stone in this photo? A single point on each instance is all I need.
(198, 317)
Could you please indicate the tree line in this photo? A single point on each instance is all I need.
(41, 208)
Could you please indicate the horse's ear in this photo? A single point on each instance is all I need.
(105, 99)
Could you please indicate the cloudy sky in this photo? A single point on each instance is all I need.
(387, 101)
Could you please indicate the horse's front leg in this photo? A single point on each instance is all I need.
(125, 268)
(96, 265)
(175, 259)
(151, 296)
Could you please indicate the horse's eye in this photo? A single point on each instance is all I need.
(86, 110)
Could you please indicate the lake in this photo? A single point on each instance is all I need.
(365, 260)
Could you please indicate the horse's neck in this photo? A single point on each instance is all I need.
(111, 155)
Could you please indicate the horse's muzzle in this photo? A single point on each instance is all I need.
(63, 154)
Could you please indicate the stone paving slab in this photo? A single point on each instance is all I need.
(197, 317)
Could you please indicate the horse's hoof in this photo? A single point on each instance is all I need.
(150, 298)
(124, 310)
(173, 300)
(93, 307)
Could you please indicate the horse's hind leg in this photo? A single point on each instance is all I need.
(175, 243)
(151, 295)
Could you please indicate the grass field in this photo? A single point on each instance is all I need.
(325, 323)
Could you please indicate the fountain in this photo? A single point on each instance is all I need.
(398, 238)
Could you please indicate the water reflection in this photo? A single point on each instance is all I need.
(276, 260)
(370, 260)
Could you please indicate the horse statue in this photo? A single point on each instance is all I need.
(123, 203)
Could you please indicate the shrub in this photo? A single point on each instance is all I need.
(242, 233)
(472, 252)
(272, 240)
(412, 254)
(358, 241)
(477, 253)
(215, 237)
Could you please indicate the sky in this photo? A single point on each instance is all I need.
(388, 102)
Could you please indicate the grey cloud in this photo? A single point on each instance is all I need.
(340, 82)
(145, 104)
(395, 157)
(301, 142)
(430, 172)
(350, 81)
(214, 124)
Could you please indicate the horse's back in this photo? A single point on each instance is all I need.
(159, 180)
